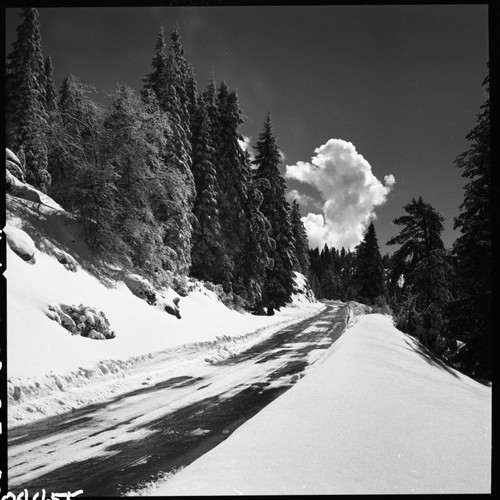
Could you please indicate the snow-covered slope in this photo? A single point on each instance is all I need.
(49, 369)
(375, 415)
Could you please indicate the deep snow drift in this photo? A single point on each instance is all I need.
(51, 371)
(376, 414)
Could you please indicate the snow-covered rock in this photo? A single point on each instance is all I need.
(140, 287)
(66, 260)
(14, 169)
(81, 320)
(14, 165)
(67, 322)
(9, 155)
(21, 243)
(169, 305)
(143, 289)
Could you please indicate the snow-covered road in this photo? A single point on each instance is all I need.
(109, 448)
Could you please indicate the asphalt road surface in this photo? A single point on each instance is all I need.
(109, 448)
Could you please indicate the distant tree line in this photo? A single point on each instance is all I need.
(441, 296)
(344, 275)
(159, 179)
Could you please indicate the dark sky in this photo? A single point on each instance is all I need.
(401, 83)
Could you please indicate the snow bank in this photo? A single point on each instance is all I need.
(376, 415)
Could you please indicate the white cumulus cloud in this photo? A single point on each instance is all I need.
(349, 191)
(305, 201)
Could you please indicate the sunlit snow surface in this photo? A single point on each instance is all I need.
(375, 415)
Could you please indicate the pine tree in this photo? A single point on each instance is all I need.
(424, 265)
(168, 83)
(279, 279)
(470, 314)
(301, 241)
(207, 245)
(25, 111)
(155, 81)
(212, 105)
(257, 246)
(179, 77)
(369, 279)
(233, 176)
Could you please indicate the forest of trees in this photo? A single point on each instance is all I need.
(159, 179)
(162, 185)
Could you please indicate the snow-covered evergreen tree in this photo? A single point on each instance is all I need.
(25, 92)
(425, 266)
(470, 315)
(369, 279)
(207, 246)
(179, 75)
(257, 246)
(233, 176)
(279, 279)
(155, 81)
(168, 81)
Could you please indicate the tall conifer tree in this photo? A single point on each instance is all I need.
(424, 265)
(155, 81)
(233, 175)
(25, 110)
(207, 245)
(168, 82)
(279, 279)
(258, 245)
(470, 315)
(369, 279)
